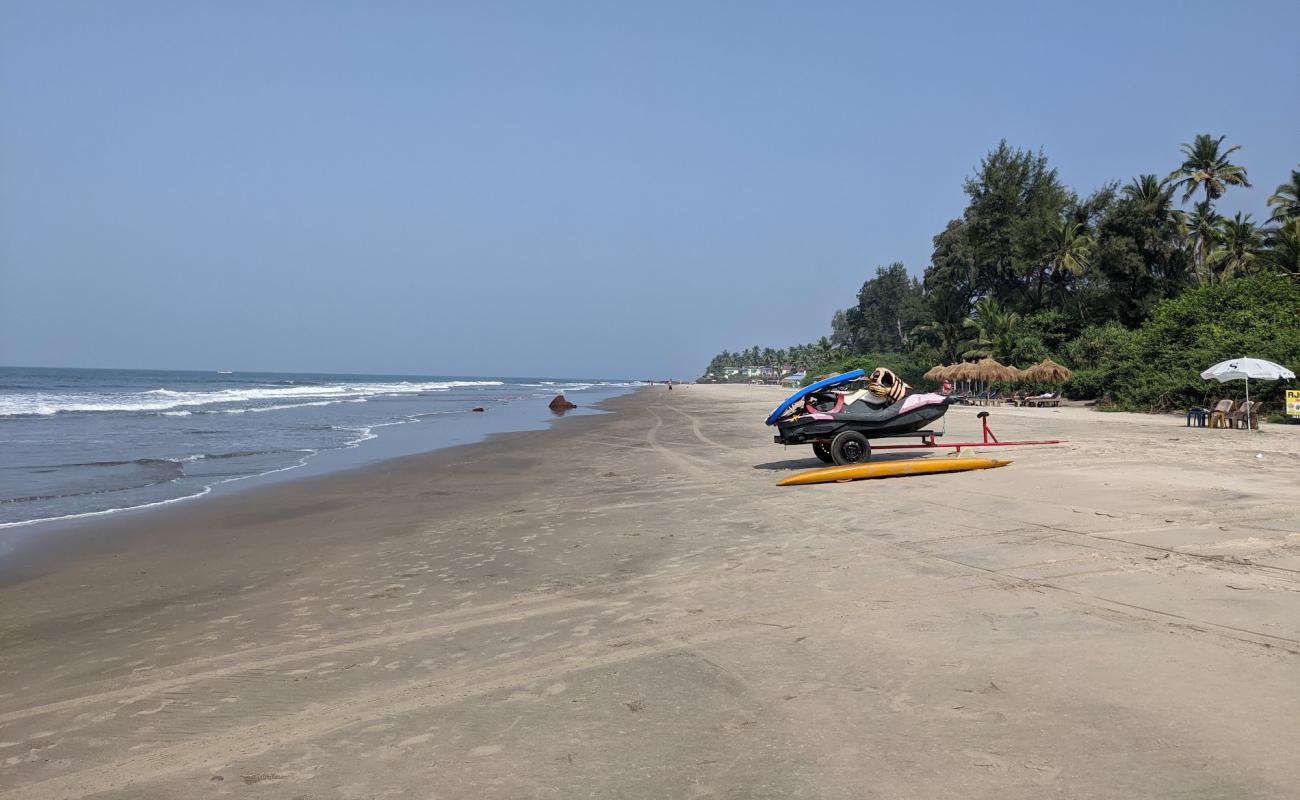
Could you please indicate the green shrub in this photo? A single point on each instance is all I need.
(1097, 345)
(1159, 367)
(1051, 328)
(1028, 350)
(1087, 384)
(924, 355)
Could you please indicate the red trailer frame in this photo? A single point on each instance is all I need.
(990, 440)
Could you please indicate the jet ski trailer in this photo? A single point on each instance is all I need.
(841, 432)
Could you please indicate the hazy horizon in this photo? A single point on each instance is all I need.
(222, 370)
(555, 189)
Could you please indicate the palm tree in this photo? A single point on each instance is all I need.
(1206, 168)
(1148, 190)
(1239, 242)
(822, 350)
(995, 328)
(1203, 236)
(1157, 197)
(1069, 246)
(947, 327)
(1283, 253)
(948, 335)
(1285, 202)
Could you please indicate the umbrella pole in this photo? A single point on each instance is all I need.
(1247, 402)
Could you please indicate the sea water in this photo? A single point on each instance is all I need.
(81, 442)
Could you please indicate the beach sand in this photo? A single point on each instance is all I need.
(627, 606)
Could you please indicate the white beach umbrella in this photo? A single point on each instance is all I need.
(1236, 369)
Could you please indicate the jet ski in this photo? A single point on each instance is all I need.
(838, 422)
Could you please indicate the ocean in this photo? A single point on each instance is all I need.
(80, 442)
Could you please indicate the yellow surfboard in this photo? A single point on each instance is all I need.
(889, 469)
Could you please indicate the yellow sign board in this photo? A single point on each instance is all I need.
(1293, 402)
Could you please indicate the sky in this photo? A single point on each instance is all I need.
(552, 188)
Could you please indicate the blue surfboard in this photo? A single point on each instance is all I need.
(834, 380)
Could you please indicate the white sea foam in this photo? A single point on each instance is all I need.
(160, 400)
(264, 397)
(101, 513)
(278, 407)
(579, 386)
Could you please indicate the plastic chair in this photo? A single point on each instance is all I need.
(1237, 417)
(1219, 416)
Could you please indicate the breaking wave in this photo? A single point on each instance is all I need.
(84, 443)
(166, 400)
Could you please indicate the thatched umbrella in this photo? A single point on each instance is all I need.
(963, 371)
(1047, 371)
(935, 373)
(989, 370)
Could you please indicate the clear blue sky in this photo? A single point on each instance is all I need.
(598, 189)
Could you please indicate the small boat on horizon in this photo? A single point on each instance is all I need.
(225, 372)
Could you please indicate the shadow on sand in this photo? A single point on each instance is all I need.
(816, 463)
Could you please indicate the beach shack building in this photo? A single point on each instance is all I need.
(761, 373)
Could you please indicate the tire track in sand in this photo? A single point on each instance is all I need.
(243, 741)
(128, 694)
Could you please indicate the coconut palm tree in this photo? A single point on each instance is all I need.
(1207, 168)
(1069, 246)
(1156, 196)
(1160, 231)
(1285, 202)
(1203, 236)
(1239, 243)
(1283, 253)
(1147, 190)
(822, 350)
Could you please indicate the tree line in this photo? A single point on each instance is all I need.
(788, 359)
(1033, 269)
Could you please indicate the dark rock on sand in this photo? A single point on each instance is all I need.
(478, 408)
(560, 404)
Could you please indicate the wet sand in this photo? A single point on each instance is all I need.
(626, 606)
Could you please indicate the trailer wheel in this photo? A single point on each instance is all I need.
(823, 452)
(850, 447)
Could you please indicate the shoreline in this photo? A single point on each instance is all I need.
(42, 545)
(370, 449)
(627, 606)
